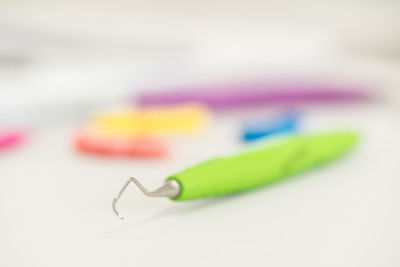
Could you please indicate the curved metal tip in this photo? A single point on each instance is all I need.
(170, 189)
(114, 203)
(118, 195)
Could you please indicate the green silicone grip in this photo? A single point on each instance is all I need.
(261, 166)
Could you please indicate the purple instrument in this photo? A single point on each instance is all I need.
(256, 94)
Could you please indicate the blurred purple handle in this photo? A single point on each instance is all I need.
(241, 95)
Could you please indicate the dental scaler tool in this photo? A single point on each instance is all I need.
(250, 169)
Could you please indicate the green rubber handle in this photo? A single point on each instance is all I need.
(261, 166)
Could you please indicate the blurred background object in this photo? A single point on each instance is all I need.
(11, 136)
(286, 122)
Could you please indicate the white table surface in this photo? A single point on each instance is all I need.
(55, 205)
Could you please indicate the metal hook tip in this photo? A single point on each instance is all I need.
(114, 207)
(169, 189)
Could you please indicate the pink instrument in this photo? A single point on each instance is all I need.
(11, 137)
